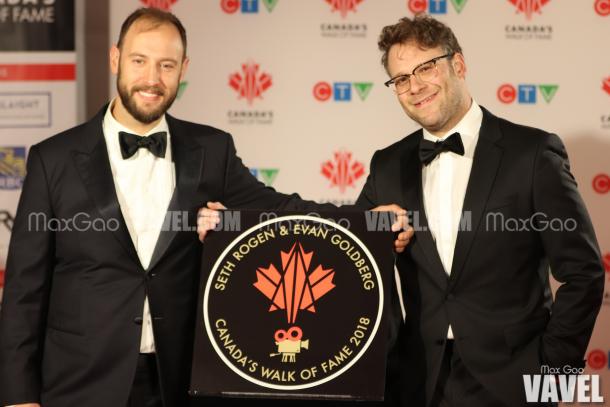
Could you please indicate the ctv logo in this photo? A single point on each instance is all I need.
(343, 6)
(601, 183)
(250, 83)
(342, 170)
(597, 359)
(526, 93)
(602, 7)
(341, 91)
(265, 175)
(529, 7)
(162, 4)
(246, 6)
(434, 6)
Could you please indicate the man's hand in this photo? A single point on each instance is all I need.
(401, 223)
(208, 218)
(26, 405)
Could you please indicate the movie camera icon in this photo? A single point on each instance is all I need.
(289, 343)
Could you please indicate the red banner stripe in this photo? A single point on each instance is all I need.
(37, 72)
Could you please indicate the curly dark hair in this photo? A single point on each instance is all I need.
(155, 17)
(423, 30)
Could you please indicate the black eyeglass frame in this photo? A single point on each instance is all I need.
(409, 75)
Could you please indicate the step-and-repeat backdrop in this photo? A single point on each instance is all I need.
(300, 87)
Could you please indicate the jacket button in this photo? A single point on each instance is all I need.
(137, 320)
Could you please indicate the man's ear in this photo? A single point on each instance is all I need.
(459, 65)
(185, 65)
(114, 55)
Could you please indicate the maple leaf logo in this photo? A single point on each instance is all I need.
(606, 85)
(249, 83)
(344, 171)
(295, 288)
(162, 4)
(343, 6)
(529, 7)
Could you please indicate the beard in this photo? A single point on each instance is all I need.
(144, 116)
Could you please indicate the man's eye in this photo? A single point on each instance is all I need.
(424, 69)
(401, 80)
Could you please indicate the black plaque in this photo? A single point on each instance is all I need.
(292, 306)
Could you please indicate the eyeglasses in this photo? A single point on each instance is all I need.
(423, 72)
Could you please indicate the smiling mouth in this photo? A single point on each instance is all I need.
(149, 94)
(425, 101)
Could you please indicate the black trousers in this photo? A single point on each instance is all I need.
(456, 387)
(145, 390)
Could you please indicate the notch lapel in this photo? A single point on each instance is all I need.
(486, 162)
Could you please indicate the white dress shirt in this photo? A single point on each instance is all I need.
(144, 186)
(444, 183)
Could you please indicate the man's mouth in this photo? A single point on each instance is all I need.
(425, 101)
(149, 94)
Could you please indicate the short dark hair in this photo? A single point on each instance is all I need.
(424, 30)
(155, 17)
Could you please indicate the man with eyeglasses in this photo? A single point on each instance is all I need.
(479, 310)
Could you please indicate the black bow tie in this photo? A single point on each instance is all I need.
(156, 143)
(428, 150)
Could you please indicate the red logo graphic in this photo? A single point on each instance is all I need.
(507, 93)
(162, 4)
(601, 183)
(529, 7)
(250, 84)
(229, 6)
(1, 278)
(602, 7)
(606, 84)
(343, 6)
(597, 359)
(417, 6)
(293, 290)
(344, 171)
(322, 91)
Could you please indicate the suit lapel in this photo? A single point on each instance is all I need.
(94, 169)
(411, 181)
(485, 165)
(188, 161)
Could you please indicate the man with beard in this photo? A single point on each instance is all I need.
(479, 311)
(100, 310)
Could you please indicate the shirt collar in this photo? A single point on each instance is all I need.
(468, 128)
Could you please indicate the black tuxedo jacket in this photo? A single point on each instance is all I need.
(497, 297)
(70, 324)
